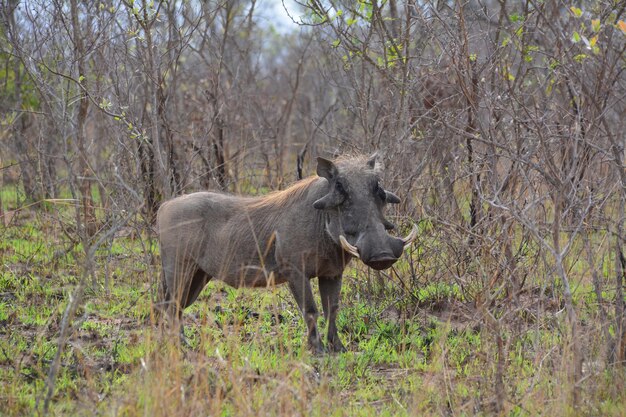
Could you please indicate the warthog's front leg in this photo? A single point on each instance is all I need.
(329, 292)
(301, 290)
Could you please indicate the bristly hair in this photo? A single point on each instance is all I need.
(346, 163)
(266, 210)
(284, 197)
(358, 162)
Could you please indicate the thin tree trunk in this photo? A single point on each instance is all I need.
(84, 182)
(26, 166)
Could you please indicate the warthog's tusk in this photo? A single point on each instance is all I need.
(411, 237)
(352, 250)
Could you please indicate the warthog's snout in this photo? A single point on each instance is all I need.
(384, 259)
(378, 251)
(381, 262)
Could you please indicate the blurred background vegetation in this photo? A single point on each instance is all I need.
(501, 125)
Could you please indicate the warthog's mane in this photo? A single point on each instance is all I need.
(282, 198)
(268, 211)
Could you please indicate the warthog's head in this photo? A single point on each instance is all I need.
(355, 202)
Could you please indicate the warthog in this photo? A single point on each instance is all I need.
(311, 229)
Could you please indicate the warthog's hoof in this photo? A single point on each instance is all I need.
(336, 347)
(318, 349)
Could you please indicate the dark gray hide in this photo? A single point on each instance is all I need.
(312, 229)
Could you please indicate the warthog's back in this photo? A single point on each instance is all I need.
(189, 223)
(192, 212)
(234, 238)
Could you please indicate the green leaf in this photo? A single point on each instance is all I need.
(575, 37)
(577, 12)
(553, 64)
(104, 104)
(335, 43)
(595, 25)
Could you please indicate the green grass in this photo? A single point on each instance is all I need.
(417, 350)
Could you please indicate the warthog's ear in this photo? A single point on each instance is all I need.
(391, 198)
(326, 168)
(371, 161)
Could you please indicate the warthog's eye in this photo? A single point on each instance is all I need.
(340, 188)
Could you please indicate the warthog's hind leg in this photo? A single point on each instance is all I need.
(330, 289)
(191, 287)
(198, 282)
(181, 283)
(301, 290)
